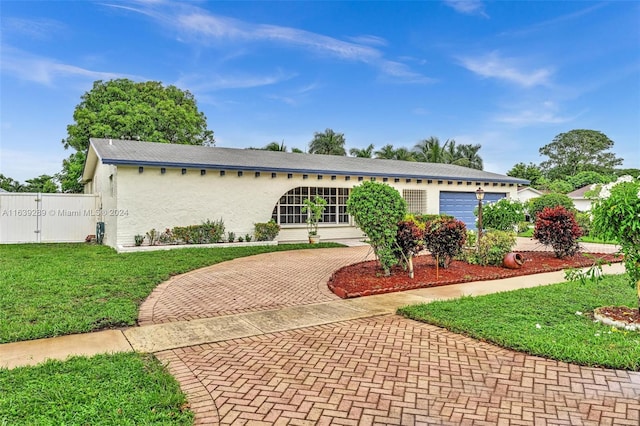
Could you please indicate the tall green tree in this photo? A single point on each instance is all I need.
(431, 151)
(466, 155)
(42, 183)
(588, 178)
(387, 152)
(577, 151)
(403, 154)
(530, 172)
(69, 177)
(124, 109)
(275, 146)
(362, 153)
(450, 151)
(628, 172)
(327, 142)
(9, 184)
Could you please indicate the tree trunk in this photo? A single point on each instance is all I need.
(410, 262)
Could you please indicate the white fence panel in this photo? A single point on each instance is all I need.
(19, 217)
(47, 218)
(69, 218)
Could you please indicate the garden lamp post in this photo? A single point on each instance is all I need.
(479, 197)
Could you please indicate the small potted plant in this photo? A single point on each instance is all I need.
(314, 210)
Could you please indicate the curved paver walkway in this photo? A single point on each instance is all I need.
(254, 283)
(393, 371)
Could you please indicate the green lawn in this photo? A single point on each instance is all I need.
(549, 321)
(55, 289)
(121, 389)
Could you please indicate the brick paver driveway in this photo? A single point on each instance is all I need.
(383, 370)
(261, 282)
(390, 371)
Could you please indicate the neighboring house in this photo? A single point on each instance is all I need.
(526, 193)
(3, 190)
(144, 185)
(582, 204)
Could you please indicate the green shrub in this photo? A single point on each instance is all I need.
(267, 231)
(561, 186)
(377, 208)
(138, 239)
(492, 248)
(207, 233)
(584, 222)
(557, 227)
(617, 216)
(502, 215)
(314, 209)
(231, 236)
(152, 236)
(523, 227)
(445, 238)
(424, 218)
(167, 237)
(472, 236)
(536, 205)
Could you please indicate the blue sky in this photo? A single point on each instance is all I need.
(507, 75)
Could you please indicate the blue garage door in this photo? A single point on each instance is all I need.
(461, 205)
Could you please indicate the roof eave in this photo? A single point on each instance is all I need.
(133, 163)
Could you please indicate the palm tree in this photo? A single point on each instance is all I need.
(327, 142)
(467, 156)
(387, 152)
(430, 150)
(403, 154)
(275, 146)
(450, 151)
(362, 153)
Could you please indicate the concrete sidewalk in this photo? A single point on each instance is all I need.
(162, 337)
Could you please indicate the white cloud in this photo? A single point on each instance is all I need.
(195, 24)
(545, 113)
(215, 28)
(493, 65)
(36, 29)
(198, 82)
(25, 66)
(370, 40)
(467, 7)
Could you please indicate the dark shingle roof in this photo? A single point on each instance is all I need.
(137, 153)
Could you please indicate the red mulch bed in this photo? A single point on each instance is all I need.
(367, 278)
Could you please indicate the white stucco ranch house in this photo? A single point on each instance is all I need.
(145, 185)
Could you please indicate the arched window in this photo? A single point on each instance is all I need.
(288, 210)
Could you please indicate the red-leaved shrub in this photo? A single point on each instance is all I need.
(557, 227)
(410, 241)
(410, 238)
(444, 238)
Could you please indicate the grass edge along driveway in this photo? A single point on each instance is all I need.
(49, 290)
